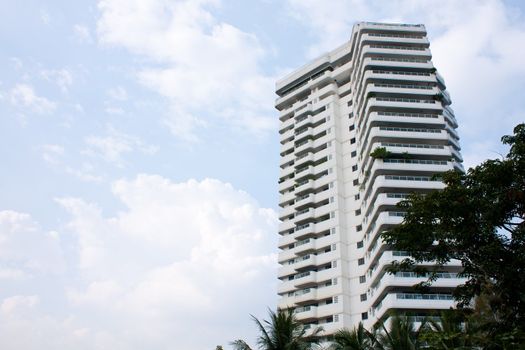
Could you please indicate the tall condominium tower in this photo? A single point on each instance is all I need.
(377, 94)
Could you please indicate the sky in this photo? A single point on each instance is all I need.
(139, 153)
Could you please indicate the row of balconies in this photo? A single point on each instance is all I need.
(380, 134)
(308, 246)
(397, 301)
(308, 295)
(368, 40)
(399, 63)
(308, 279)
(300, 190)
(308, 313)
(293, 266)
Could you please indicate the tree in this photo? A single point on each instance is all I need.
(401, 335)
(452, 331)
(281, 332)
(357, 339)
(478, 219)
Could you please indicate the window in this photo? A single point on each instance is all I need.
(352, 140)
(352, 127)
(336, 318)
(363, 297)
(354, 167)
(353, 154)
(360, 244)
(362, 279)
(359, 228)
(356, 182)
(361, 261)
(358, 212)
(336, 299)
(356, 197)
(364, 316)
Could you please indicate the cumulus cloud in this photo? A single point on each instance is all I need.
(209, 71)
(25, 249)
(175, 255)
(112, 146)
(476, 45)
(24, 97)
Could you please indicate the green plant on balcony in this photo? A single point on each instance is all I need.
(380, 153)
(439, 97)
(406, 155)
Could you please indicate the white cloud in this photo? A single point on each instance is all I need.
(82, 32)
(112, 146)
(52, 153)
(10, 304)
(175, 255)
(25, 249)
(24, 96)
(61, 77)
(179, 253)
(86, 172)
(198, 63)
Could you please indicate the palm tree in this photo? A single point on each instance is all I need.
(357, 339)
(401, 336)
(452, 331)
(281, 332)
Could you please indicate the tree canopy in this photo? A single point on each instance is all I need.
(477, 219)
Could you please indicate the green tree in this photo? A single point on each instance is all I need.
(357, 339)
(281, 332)
(399, 335)
(452, 331)
(478, 219)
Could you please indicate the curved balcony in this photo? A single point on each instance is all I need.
(426, 302)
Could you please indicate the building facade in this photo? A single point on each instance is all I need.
(378, 94)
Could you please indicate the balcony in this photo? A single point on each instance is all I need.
(303, 159)
(413, 302)
(306, 313)
(303, 146)
(286, 198)
(287, 136)
(303, 215)
(286, 185)
(304, 200)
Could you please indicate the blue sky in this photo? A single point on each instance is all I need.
(139, 153)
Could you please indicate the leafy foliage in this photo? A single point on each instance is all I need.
(356, 339)
(380, 153)
(477, 219)
(281, 332)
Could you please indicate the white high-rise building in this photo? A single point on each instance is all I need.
(378, 91)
